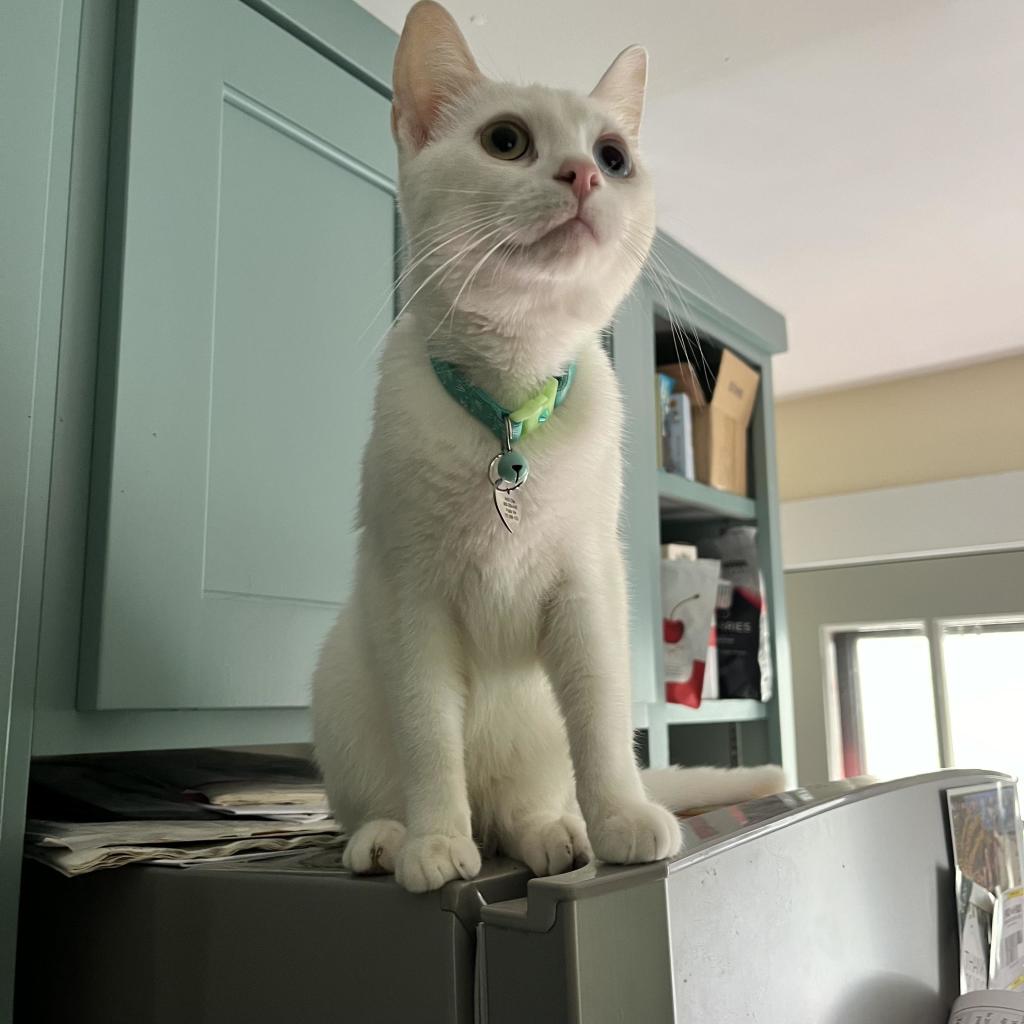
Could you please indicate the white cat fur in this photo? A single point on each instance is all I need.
(476, 683)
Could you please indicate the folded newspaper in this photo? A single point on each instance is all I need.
(991, 1007)
(179, 784)
(76, 848)
(181, 808)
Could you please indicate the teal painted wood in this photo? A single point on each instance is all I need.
(634, 365)
(658, 751)
(781, 712)
(37, 51)
(714, 711)
(342, 32)
(258, 175)
(689, 500)
(58, 727)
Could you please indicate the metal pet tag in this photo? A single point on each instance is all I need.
(507, 472)
(508, 509)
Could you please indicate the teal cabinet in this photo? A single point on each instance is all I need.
(256, 221)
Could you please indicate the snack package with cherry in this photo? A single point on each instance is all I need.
(688, 593)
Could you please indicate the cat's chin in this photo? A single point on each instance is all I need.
(560, 248)
(568, 232)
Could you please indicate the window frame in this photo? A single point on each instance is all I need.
(844, 739)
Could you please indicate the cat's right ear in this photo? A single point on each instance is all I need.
(433, 66)
(622, 87)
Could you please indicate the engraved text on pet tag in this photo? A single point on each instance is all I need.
(508, 509)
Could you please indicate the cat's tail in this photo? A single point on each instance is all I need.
(684, 789)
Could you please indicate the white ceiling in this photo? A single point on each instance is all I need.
(858, 164)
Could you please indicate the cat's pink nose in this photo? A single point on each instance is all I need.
(582, 177)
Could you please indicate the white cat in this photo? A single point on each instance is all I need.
(469, 662)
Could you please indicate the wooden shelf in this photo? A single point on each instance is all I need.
(716, 711)
(682, 499)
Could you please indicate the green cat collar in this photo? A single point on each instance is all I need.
(528, 417)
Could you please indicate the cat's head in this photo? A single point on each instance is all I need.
(519, 202)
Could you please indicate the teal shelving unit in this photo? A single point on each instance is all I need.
(680, 499)
(714, 314)
(716, 711)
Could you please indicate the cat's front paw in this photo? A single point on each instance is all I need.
(551, 847)
(635, 833)
(426, 862)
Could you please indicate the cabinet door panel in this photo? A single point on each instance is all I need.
(257, 248)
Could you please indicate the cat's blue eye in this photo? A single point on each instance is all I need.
(613, 158)
(505, 140)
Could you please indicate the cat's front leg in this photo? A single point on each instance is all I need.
(426, 699)
(585, 650)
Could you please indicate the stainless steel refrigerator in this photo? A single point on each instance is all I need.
(828, 905)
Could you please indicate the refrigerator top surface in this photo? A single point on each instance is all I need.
(711, 834)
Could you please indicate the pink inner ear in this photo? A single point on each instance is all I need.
(433, 61)
(414, 126)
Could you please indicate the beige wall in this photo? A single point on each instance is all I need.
(937, 426)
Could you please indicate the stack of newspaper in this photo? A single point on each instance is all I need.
(178, 808)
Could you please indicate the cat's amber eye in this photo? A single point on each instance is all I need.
(613, 158)
(505, 140)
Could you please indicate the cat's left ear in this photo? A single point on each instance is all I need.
(433, 66)
(622, 88)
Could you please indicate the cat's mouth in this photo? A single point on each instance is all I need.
(564, 236)
(578, 225)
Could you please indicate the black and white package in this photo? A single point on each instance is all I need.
(744, 653)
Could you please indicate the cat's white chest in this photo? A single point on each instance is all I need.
(428, 498)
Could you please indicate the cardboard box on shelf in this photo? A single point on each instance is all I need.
(672, 551)
(720, 425)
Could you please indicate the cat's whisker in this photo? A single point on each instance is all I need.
(469, 277)
(423, 284)
(432, 234)
(649, 273)
(659, 271)
(471, 191)
(452, 308)
(478, 221)
(497, 223)
(471, 228)
(661, 278)
(665, 276)
(482, 227)
(412, 267)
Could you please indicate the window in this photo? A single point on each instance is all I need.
(983, 666)
(915, 697)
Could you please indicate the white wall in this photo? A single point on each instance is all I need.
(972, 514)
